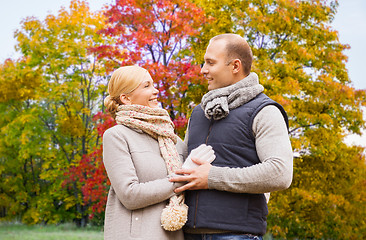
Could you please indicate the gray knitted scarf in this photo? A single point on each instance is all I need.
(218, 102)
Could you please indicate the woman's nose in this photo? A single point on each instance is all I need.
(156, 91)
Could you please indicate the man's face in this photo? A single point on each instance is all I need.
(217, 68)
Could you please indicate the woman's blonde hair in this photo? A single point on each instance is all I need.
(124, 80)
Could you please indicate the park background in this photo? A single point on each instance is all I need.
(52, 117)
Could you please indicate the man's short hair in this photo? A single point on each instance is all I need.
(237, 48)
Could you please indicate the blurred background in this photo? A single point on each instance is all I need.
(56, 58)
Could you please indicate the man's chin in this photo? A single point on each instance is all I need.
(210, 87)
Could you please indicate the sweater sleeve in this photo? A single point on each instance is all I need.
(122, 174)
(275, 153)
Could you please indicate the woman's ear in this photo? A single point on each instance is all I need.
(125, 100)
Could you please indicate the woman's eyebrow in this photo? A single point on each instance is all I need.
(147, 81)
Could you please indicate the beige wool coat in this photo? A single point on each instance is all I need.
(139, 185)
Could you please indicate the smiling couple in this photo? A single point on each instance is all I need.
(152, 196)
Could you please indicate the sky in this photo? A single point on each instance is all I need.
(350, 22)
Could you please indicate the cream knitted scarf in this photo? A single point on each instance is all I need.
(218, 102)
(157, 123)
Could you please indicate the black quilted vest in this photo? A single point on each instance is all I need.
(234, 144)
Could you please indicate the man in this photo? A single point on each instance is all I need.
(249, 134)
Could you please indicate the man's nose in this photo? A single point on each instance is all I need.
(204, 69)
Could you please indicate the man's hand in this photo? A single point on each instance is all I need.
(196, 178)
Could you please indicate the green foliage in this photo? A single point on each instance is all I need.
(220, 19)
(326, 199)
(54, 91)
(18, 81)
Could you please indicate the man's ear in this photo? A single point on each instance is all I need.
(237, 66)
(125, 100)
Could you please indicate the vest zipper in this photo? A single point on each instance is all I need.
(209, 130)
(195, 212)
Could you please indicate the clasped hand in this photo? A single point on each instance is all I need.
(195, 169)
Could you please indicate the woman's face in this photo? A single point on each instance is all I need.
(145, 94)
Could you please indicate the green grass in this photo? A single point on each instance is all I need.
(14, 231)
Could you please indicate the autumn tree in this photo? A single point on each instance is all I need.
(91, 173)
(301, 64)
(21, 154)
(154, 34)
(52, 127)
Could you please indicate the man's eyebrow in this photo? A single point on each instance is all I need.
(209, 59)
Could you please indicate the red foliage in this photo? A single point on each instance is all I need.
(173, 81)
(105, 122)
(180, 124)
(90, 171)
(151, 30)
(155, 35)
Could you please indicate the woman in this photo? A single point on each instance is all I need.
(139, 153)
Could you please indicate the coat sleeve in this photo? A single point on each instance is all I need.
(275, 153)
(124, 180)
